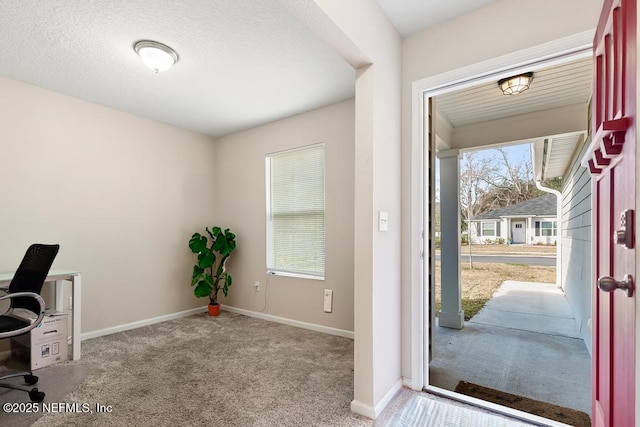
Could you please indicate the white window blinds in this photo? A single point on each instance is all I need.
(295, 211)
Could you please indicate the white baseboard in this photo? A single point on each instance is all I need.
(363, 409)
(371, 411)
(388, 397)
(297, 323)
(141, 323)
(178, 315)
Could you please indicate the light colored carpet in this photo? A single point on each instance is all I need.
(200, 371)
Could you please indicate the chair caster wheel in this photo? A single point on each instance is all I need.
(30, 379)
(36, 396)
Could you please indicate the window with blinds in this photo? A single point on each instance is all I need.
(295, 212)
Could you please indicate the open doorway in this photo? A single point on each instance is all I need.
(519, 339)
(537, 120)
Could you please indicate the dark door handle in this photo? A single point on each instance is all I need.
(609, 284)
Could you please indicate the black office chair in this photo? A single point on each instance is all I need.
(24, 293)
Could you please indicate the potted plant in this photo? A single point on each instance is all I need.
(210, 273)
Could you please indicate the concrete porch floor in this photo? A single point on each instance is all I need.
(525, 342)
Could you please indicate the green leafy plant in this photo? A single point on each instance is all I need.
(210, 273)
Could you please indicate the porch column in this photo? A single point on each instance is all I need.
(451, 314)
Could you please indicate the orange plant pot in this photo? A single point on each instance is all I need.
(214, 309)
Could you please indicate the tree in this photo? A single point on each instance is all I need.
(513, 183)
(489, 182)
(475, 176)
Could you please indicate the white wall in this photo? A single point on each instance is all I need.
(482, 35)
(523, 127)
(240, 190)
(377, 188)
(121, 194)
(360, 32)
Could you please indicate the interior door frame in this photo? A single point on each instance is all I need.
(562, 50)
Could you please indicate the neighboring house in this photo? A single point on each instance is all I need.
(531, 222)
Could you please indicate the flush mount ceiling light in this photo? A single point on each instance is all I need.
(516, 84)
(156, 56)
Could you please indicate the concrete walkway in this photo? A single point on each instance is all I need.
(524, 341)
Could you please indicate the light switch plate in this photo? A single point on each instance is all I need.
(383, 221)
(328, 300)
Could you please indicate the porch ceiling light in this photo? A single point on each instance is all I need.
(156, 56)
(516, 84)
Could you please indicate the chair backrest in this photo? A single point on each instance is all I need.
(31, 273)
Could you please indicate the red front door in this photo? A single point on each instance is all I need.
(613, 168)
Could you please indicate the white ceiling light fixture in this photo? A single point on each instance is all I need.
(156, 56)
(516, 84)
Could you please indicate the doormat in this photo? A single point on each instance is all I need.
(524, 404)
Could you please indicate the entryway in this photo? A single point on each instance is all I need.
(473, 137)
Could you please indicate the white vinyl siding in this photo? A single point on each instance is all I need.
(295, 212)
(576, 242)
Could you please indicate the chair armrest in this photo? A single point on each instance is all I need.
(34, 323)
(6, 291)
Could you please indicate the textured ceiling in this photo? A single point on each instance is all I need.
(242, 62)
(411, 16)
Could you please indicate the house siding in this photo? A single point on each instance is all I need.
(576, 243)
(503, 231)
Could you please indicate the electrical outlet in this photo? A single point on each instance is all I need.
(256, 285)
(328, 300)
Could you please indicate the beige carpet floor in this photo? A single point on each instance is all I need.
(200, 371)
